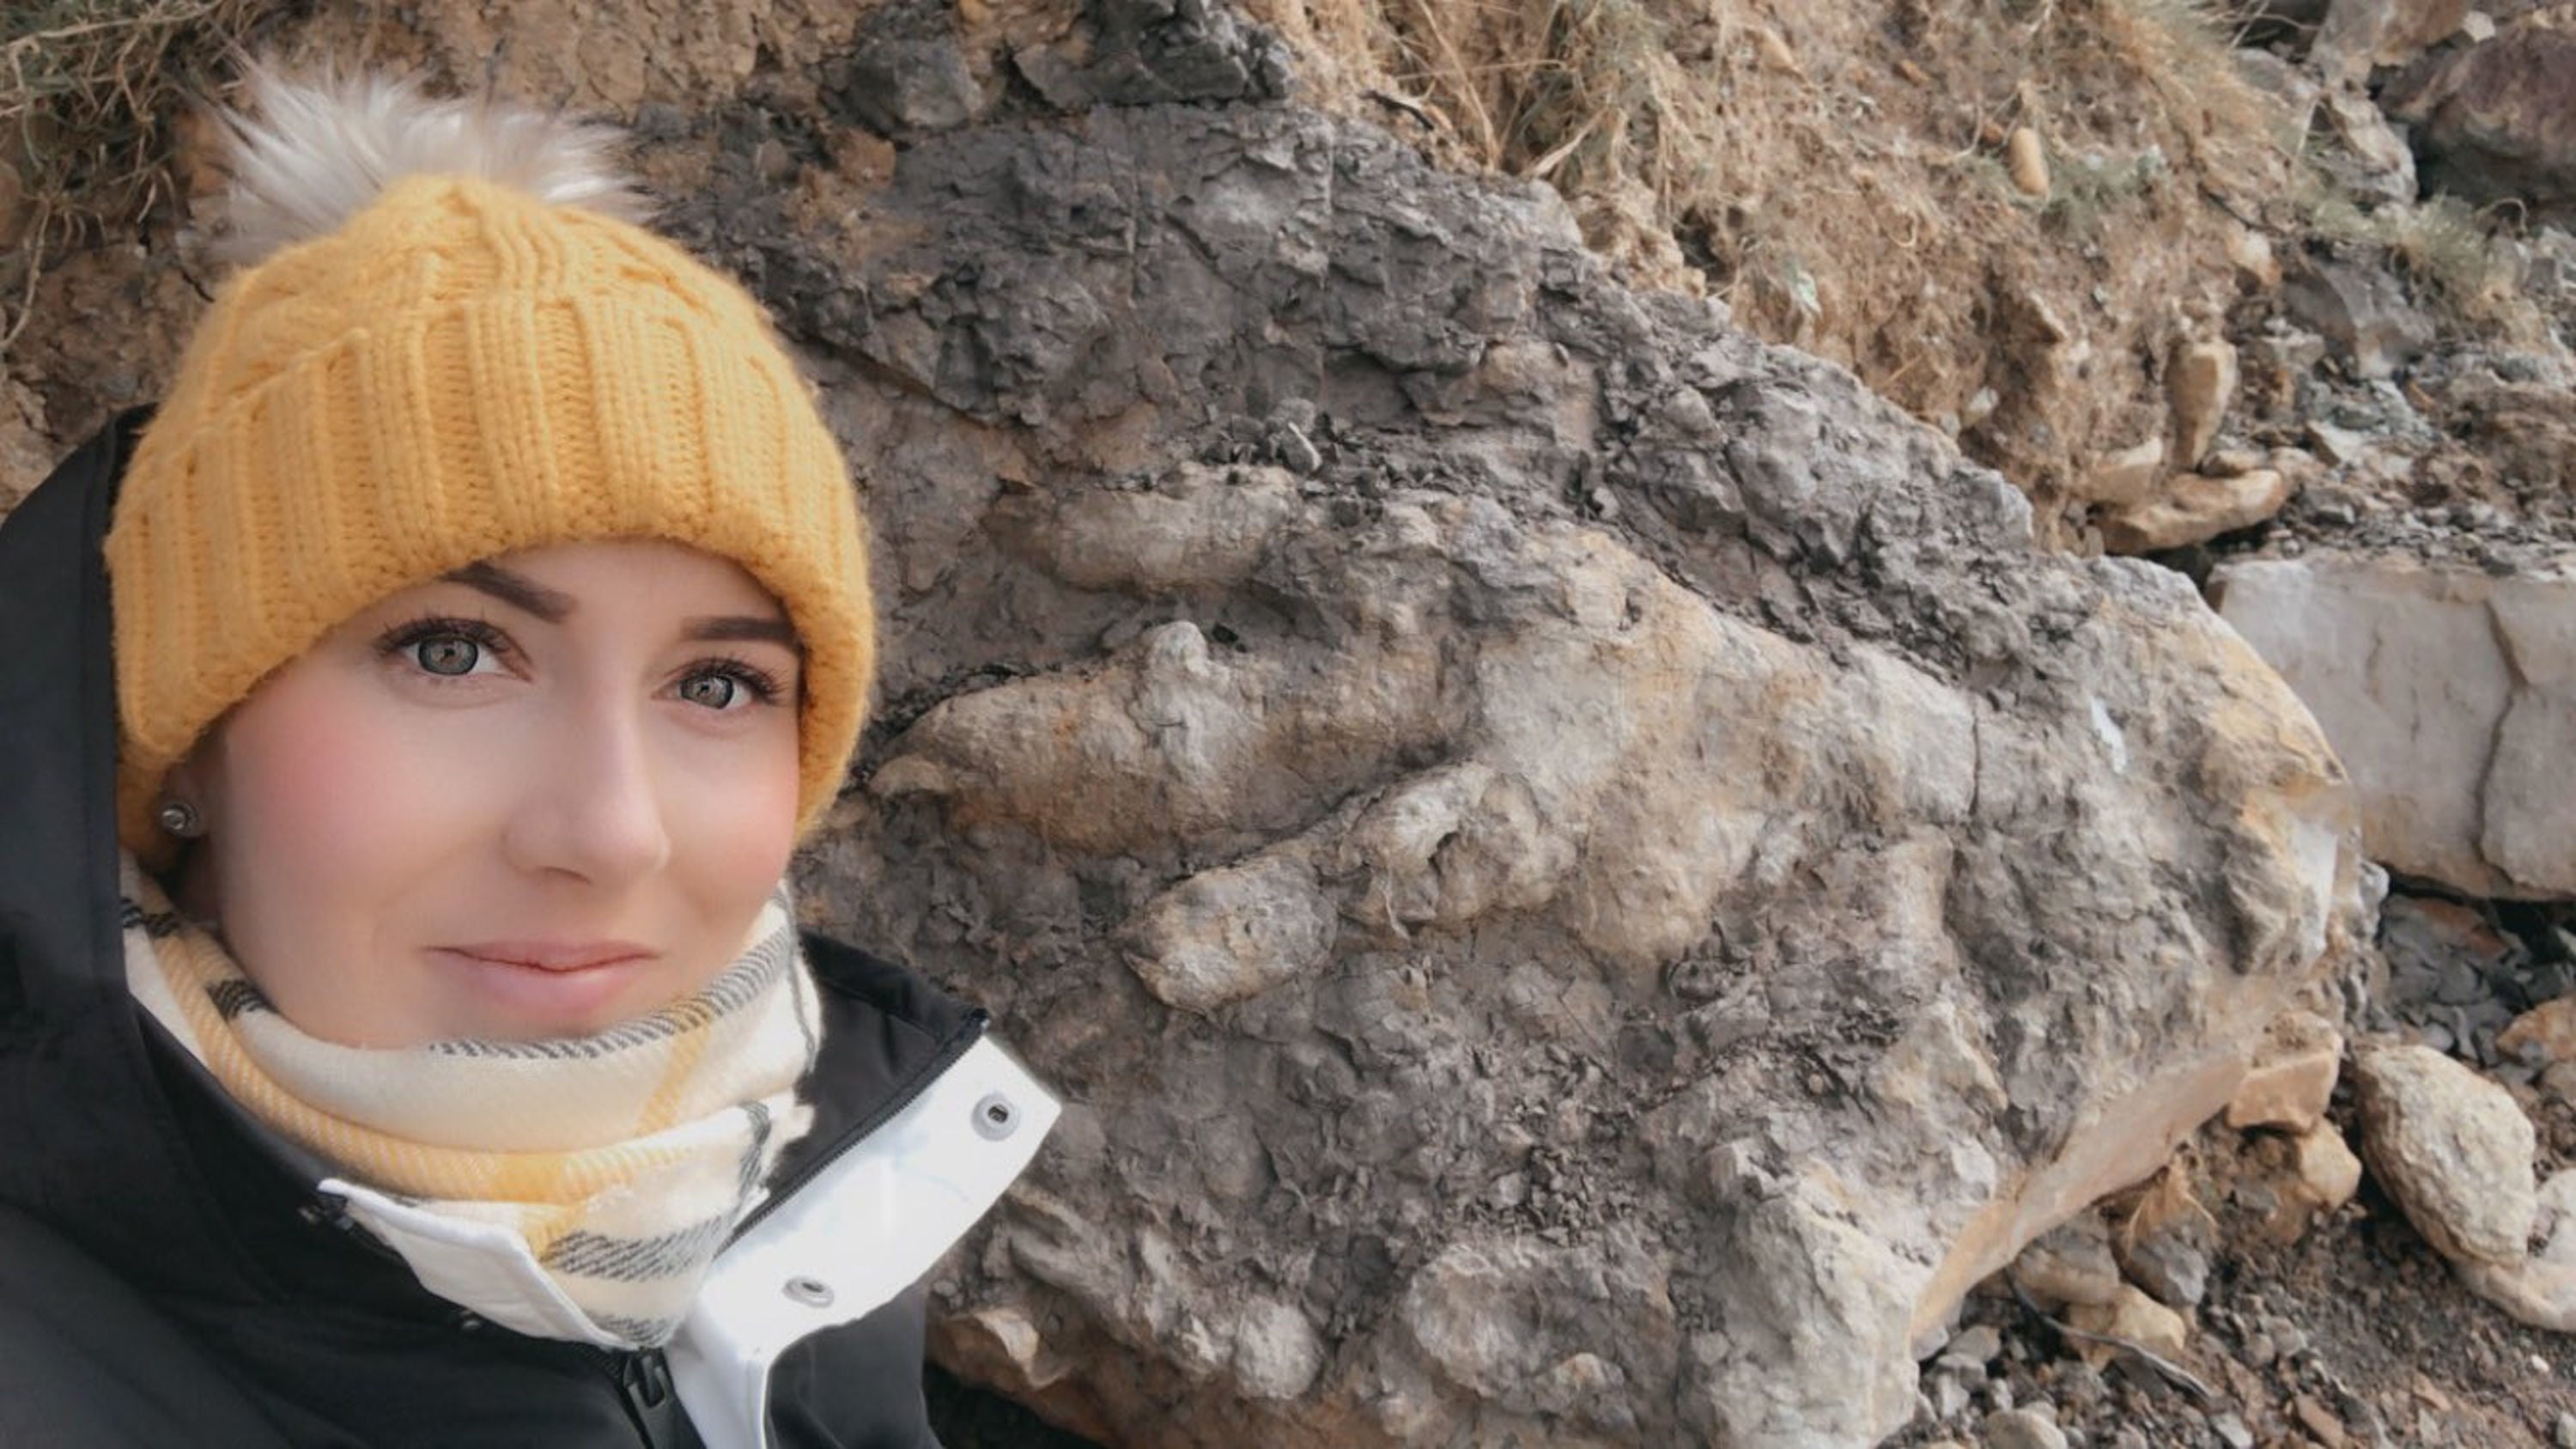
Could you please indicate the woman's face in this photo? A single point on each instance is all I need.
(540, 796)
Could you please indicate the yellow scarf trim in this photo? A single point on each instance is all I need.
(623, 1160)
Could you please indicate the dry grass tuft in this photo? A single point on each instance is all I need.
(1763, 138)
(2186, 51)
(88, 91)
(2446, 248)
(1686, 100)
(1587, 93)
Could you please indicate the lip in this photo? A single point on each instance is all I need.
(558, 957)
(550, 988)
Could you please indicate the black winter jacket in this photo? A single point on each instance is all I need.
(169, 1274)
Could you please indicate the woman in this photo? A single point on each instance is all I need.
(404, 1038)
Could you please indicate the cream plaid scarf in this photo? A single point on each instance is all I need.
(623, 1160)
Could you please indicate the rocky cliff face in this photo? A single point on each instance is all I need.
(1583, 878)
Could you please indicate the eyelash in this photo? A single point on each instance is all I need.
(412, 633)
(765, 687)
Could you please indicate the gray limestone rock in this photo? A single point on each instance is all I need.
(2355, 35)
(2452, 1148)
(1582, 876)
(2497, 121)
(2171, 1265)
(2071, 1264)
(2449, 691)
(2023, 1429)
(2362, 312)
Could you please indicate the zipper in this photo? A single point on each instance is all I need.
(643, 1381)
(329, 1210)
(967, 1034)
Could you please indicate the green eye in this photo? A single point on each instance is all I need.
(443, 648)
(715, 691)
(447, 654)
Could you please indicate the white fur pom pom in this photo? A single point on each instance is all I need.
(313, 153)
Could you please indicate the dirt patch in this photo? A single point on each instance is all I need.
(94, 98)
(2356, 1329)
(1839, 176)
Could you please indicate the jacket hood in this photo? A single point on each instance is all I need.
(118, 1139)
(114, 1144)
(95, 1145)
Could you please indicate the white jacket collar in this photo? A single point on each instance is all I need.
(866, 1227)
(847, 1243)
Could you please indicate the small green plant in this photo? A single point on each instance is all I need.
(2086, 187)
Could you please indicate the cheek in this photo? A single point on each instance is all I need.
(319, 791)
(736, 837)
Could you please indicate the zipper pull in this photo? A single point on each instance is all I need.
(328, 1212)
(646, 1377)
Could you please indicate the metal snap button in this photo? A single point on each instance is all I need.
(995, 1117)
(812, 1292)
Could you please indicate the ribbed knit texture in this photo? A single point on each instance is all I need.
(461, 371)
(622, 1160)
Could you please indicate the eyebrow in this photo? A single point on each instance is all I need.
(724, 628)
(554, 606)
(516, 590)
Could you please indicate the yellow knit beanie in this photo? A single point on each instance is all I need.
(457, 370)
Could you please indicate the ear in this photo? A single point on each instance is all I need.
(192, 881)
(192, 780)
(186, 780)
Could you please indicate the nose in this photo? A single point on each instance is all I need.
(591, 806)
